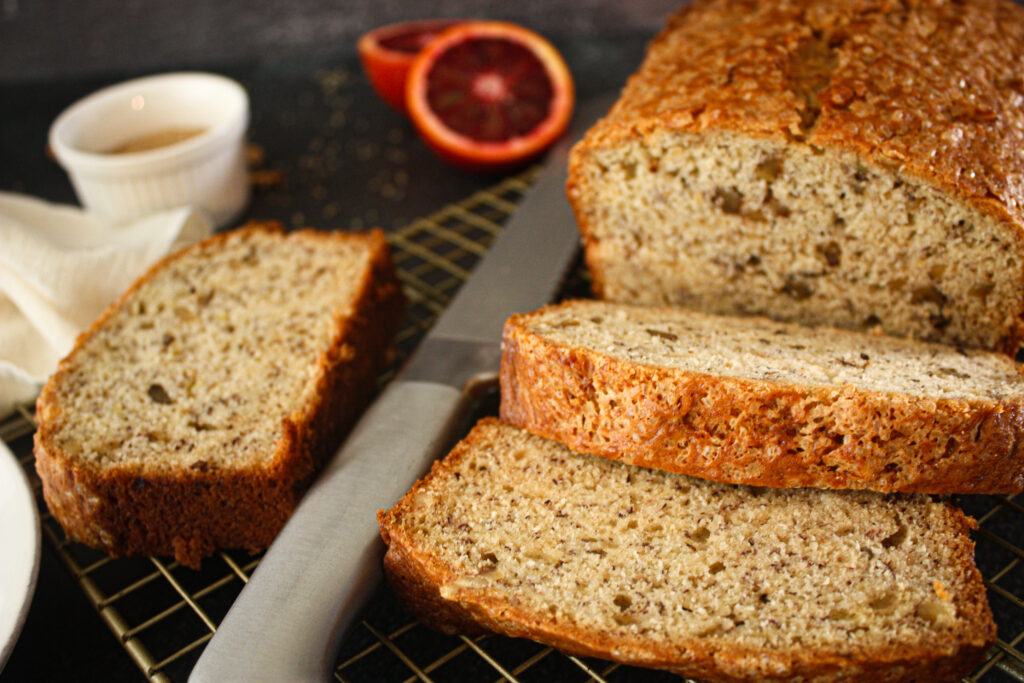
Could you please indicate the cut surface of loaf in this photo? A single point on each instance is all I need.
(518, 535)
(195, 411)
(754, 401)
(848, 164)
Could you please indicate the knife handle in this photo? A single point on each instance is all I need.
(287, 623)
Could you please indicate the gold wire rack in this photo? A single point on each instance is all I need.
(163, 614)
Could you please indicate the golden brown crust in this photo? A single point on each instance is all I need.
(745, 431)
(750, 67)
(932, 89)
(188, 513)
(417, 577)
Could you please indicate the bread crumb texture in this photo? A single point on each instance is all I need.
(761, 349)
(209, 357)
(519, 535)
(204, 395)
(749, 400)
(854, 164)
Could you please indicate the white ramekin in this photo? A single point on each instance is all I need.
(207, 170)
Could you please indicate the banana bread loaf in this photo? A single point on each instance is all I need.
(195, 411)
(518, 535)
(753, 401)
(850, 163)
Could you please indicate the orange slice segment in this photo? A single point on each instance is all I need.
(489, 95)
(387, 53)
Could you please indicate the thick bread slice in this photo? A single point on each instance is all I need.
(847, 163)
(518, 535)
(195, 411)
(753, 401)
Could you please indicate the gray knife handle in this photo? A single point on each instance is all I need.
(288, 621)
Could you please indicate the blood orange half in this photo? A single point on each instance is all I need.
(387, 53)
(489, 95)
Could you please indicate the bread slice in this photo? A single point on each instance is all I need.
(753, 401)
(820, 162)
(195, 411)
(518, 535)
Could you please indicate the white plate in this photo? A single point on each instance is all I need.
(19, 550)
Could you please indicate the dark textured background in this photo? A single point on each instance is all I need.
(45, 39)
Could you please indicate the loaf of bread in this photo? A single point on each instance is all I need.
(518, 535)
(195, 411)
(856, 164)
(747, 400)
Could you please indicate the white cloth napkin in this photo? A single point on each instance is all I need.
(59, 268)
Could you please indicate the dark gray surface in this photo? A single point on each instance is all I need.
(47, 39)
(349, 161)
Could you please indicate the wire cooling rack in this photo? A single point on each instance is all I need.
(163, 614)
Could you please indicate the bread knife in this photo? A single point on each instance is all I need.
(289, 620)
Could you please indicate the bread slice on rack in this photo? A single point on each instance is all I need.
(518, 535)
(752, 401)
(820, 162)
(195, 411)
